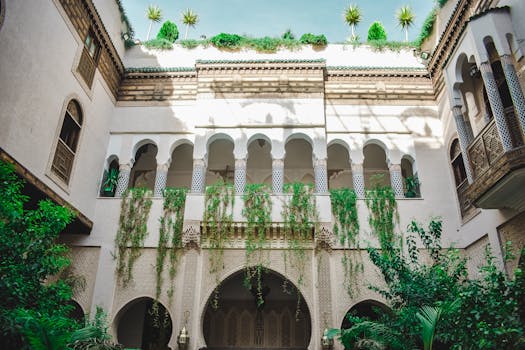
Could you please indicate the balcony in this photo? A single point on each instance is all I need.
(499, 177)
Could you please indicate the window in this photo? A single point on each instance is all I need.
(67, 142)
(89, 58)
(460, 177)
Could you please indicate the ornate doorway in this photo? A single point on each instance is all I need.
(281, 322)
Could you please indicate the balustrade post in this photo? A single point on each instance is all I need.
(515, 89)
(358, 179)
(198, 177)
(463, 140)
(396, 180)
(321, 176)
(240, 175)
(123, 179)
(496, 105)
(161, 178)
(277, 175)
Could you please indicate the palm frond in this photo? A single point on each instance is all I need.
(154, 13)
(190, 18)
(352, 15)
(405, 16)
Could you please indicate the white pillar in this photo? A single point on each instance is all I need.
(240, 175)
(396, 180)
(358, 179)
(464, 140)
(161, 178)
(496, 105)
(123, 179)
(198, 177)
(277, 175)
(515, 89)
(321, 176)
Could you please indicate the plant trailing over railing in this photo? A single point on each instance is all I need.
(381, 203)
(217, 224)
(170, 236)
(257, 211)
(300, 218)
(133, 229)
(346, 228)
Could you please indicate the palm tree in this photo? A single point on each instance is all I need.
(154, 14)
(405, 18)
(190, 19)
(352, 17)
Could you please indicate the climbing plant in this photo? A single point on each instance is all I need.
(381, 203)
(217, 225)
(170, 236)
(346, 228)
(132, 230)
(257, 211)
(300, 218)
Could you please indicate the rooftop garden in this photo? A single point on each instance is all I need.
(352, 16)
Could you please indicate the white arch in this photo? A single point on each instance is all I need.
(139, 144)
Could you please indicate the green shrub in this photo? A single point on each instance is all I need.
(189, 43)
(288, 35)
(169, 32)
(160, 44)
(442, 2)
(224, 40)
(426, 29)
(265, 44)
(376, 32)
(380, 45)
(316, 40)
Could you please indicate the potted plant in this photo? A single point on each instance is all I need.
(412, 187)
(110, 182)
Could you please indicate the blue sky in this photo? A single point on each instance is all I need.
(272, 17)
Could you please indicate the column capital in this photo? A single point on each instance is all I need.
(125, 166)
(240, 162)
(320, 162)
(278, 162)
(394, 167)
(199, 162)
(163, 167)
(357, 167)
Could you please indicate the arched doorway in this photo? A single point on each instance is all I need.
(282, 321)
(144, 324)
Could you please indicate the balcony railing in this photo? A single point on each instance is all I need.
(485, 149)
(63, 161)
(464, 202)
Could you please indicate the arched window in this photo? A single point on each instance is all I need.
(67, 142)
(460, 176)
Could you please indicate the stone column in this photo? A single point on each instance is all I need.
(396, 180)
(515, 89)
(240, 175)
(277, 175)
(358, 178)
(161, 177)
(496, 105)
(123, 179)
(198, 177)
(321, 176)
(464, 140)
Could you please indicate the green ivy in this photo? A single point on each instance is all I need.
(170, 236)
(257, 211)
(217, 225)
(381, 203)
(133, 229)
(346, 228)
(427, 27)
(396, 46)
(300, 218)
(159, 44)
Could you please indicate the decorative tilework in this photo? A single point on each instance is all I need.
(198, 177)
(321, 176)
(160, 180)
(463, 140)
(123, 179)
(240, 175)
(277, 175)
(396, 180)
(358, 179)
(515, 89)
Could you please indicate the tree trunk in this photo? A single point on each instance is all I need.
(149, 30)
(406, 35)
(186, 33)
(353, 32)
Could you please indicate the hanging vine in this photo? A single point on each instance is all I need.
(132, 230)
(346, 228)
(300, 219)
(217, 225)
(381, 203)
(257, 211)
(170, 236)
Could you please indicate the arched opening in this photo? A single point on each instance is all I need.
(338, 167)
(143, 324)
(181, 167)
(298, 161)
(375, 168)
(369, 309)
(110, 178)
(238, 322)
(145, 167)
(460, 175)
(76, 312)
(259, 163)
(410, 178)
(221, 162)
(470, 89)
